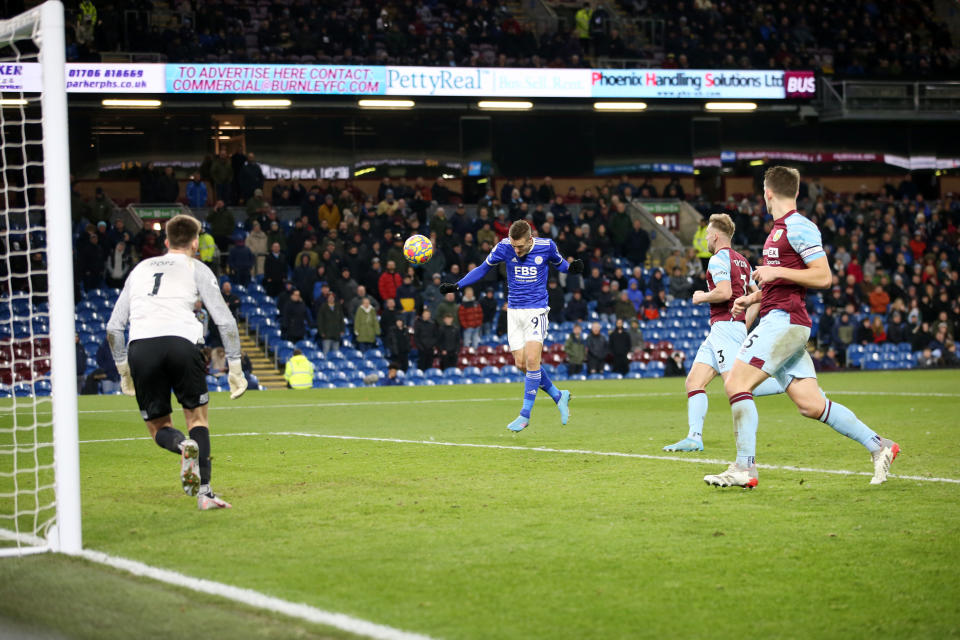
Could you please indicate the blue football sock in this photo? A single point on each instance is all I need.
(696, 410)
(745, 420)
(844, 421)
(547, 385)
(768, 387)
(531, 384)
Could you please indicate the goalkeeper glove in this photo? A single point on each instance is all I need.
(126, 380)
(238, 381)
(576, 266)
(448, 287)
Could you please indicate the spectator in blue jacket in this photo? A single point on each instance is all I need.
(196, 192)
(634, 293)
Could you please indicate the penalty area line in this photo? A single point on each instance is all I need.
(587, 452)
(254, 599)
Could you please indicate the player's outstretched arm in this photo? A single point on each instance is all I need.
(116, 326)
(473, 276)
(220, 313)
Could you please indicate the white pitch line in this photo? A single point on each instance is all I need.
(613, 454)
(377, 403)
(255, 599)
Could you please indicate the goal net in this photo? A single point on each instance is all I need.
(39, 470)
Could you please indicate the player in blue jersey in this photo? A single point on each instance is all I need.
(528, 262)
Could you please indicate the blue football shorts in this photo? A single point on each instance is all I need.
(720, 347)
(779, 348)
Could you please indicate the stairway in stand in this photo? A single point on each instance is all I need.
(263, 367)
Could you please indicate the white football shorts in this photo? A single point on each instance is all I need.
(526, 325)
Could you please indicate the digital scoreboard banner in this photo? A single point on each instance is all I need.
(480, 82)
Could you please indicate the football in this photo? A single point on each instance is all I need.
(418, 249)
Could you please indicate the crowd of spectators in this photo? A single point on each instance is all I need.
(339, 266)
(876, 38)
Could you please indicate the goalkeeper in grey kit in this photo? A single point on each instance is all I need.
(165, 350)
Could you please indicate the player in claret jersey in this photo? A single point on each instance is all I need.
(794, 260)
(728, 278)
(528, 262)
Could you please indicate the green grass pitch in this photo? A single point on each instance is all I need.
(487, 542)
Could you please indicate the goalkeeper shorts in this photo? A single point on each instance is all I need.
(164, 364)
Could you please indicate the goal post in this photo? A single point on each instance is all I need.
(38, 36)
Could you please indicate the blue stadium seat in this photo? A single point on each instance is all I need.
(471, 371)
(490, 370)
(433, 372)
(23, 390)
(509, 370)
(453, 372)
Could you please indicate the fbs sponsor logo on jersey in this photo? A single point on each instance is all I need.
(777, 235)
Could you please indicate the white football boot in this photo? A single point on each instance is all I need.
(734, 476)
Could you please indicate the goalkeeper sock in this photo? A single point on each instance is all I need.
(202, 436)
(696, 410)
(531, 384)
(547, 385)
(768, 387)
(169, 438)
(745, 420)
(844, 421)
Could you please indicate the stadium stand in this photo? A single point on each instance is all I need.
(894, 304)
(879, 38)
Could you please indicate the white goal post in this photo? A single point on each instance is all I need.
(28, 522)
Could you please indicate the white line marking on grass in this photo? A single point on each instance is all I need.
(255, 599)
(613, 454)
(379, 403)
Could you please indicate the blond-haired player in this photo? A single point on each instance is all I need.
(728, 278)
